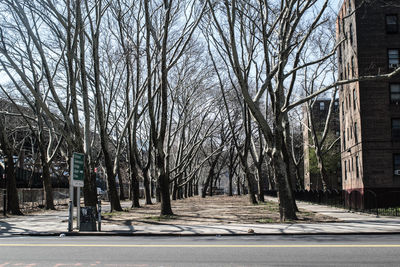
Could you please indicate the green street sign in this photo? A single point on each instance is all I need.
(77, 169)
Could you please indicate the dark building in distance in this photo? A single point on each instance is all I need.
(369, 37)
(319, 113)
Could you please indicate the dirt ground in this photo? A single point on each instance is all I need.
(211, 210)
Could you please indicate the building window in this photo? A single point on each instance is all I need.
(343, 26)
(396, 129)
(355, 133)
(395, 92)
(351, 132)
(354, 98)
(352, 67)
(352, 166)
(342, 110)
(340, 51)
(351, 33)
(393, 56)
(391, 24)
(345, 170)
(348, 70)
(321, 105)
(344, 140)
(357, 168)
(349, 6)
(396, 164)
(349, 101)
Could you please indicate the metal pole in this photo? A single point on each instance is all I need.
(71, 198)
(71, 208)
(78, 206)
(5, 197)
(70, 218)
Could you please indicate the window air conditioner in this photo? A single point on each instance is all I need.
(396, 172)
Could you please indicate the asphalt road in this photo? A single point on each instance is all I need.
(310, 250)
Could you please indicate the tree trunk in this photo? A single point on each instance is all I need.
(186, 191)
(244, 188)
(158, 192)
(153, 188)
(271, 179)
(238, 186)
(321, 167)
(252, 196)
(286, 208)
(112, 189)
(210, 193)
(205, 187)
(196, 188)
(180, 192)
(299, 183)
(47, 186)
(260, 183)
(121, 184)
(287, 158)
(210, 176)
(163, 181)
(175, 190)
(11, 185)
(134, 184)
(146, 183)
(12, 193)
(90, 186)
(230, 192)
(190, 189)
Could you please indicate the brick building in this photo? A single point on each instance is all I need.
(319, 113)
(369, 111)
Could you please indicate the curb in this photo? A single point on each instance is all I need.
(117, 233)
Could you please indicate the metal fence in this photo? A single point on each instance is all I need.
(385, 203)
(34, 197)
(330, 197)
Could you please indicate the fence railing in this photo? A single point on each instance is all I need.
(34, 197)
(385, 203)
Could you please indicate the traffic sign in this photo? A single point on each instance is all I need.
(77, 169)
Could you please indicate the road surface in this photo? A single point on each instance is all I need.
(233, 251)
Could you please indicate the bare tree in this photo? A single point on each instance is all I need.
(277, 31)
(170, 51)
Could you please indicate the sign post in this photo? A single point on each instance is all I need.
(76, 180)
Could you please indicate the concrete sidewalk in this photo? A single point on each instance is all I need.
(56, 223)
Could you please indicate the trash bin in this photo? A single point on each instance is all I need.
(88, 219)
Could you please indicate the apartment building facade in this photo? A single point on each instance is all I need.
(369, 41)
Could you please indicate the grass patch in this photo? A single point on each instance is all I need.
(270, 206)
(162, 218)
(114, 213)
(306, 213)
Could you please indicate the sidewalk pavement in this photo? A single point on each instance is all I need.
(56, 223)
